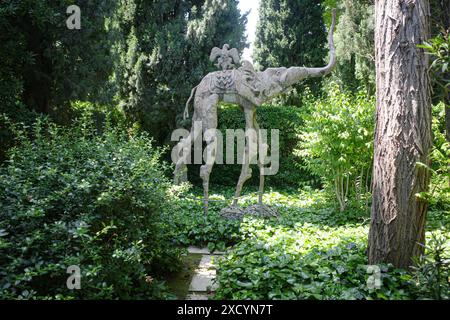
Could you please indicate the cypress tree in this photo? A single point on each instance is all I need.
(291, 33)
(164, 52)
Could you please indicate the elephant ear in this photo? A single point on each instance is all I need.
(215, 52)
(234, 55)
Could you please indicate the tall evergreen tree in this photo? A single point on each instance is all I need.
(291, 33)
(164, 52)
(355, 46)
(45, 64)
(354, 39)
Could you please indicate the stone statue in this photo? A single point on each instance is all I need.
(247, 88)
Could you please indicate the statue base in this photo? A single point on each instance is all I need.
(258, 210)
(232, 212)
(261, 210)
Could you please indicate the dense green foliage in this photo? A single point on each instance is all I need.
(433, 268)
(291, 33)
(303, 262)
(439, 193)
(143, 55)
(354, 39)
(73, 197)
(311, 251)
(439, 48)
(189, 226)
(311, 262)
(337, 143)
(441, 156)
(43, 63)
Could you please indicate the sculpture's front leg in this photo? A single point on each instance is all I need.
(249, 153)
(208, 107)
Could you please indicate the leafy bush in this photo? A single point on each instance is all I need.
(70, 196)
(439, 194)
(287, 119)
(97, 113)
(16, 112)
(439, 48)
(432, 271)
(337, 143)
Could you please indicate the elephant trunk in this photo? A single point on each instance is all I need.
(318, 72)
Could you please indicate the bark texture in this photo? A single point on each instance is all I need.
(403, 132)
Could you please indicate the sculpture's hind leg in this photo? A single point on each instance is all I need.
(260, 209)
(209, 123)
(183, 151)
(180, 173)
(250, 152)
(262, 153)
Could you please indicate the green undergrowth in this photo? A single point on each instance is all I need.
(310, 251)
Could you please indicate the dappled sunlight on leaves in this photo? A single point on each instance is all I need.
(310, 251)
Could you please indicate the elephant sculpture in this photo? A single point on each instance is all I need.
(247, 88)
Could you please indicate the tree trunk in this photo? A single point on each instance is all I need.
(402, 134)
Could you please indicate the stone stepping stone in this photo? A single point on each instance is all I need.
(197, 296)
(202, 284)
(204, 276)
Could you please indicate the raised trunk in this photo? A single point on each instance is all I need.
(318, 72)
(403, 132)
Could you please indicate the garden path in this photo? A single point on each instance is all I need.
(202, 285)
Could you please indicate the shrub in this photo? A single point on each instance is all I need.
(431, 276)
(337, 143)
(439, 194)
(16, 112)
(74, 197)
(97, 113)
(439, 48)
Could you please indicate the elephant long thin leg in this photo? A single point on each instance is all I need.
(180, 173)
(250, 153)
(184, 146)
(262, 152)
(209, 124)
